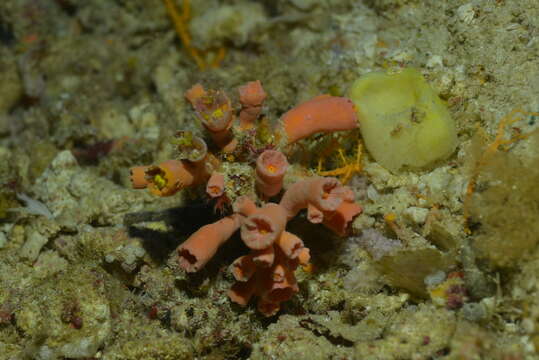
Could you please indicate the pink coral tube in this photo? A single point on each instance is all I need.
(263, 227)
(244, 205)
(138, 177)
(241, 292)
(216, 185)
(215, 111)
(324, 113)
(243, 268)
(196, 251)
(339, 219)
(252, 95)
(271, 166)
(323, 193)
(290, 245)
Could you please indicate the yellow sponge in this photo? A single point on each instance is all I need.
(402, 120)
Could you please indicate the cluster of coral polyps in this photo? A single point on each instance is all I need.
(244, 172)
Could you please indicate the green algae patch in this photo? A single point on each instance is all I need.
(402, 120)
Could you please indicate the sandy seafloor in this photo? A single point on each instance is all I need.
(89, 88)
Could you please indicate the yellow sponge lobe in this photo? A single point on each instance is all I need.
(402, 120)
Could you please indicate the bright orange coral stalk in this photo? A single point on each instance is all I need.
(243, 268)
(324, 113)
(290, 244)
(273, 285)
(241, 292)
(196, 251)
(215, 111)
(244, 205)
(271, 166)
(339, 219)
(323, 193)
(252, 96)
(264, 226)
(216, 185)
(170, 176)
(138, 177)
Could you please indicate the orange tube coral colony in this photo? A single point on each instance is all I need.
(271, 166)
(190, 147)
(214, 110)
(243, 268)
(263, 227)
(314, 214)
(264, 258)
(241, 292)
(196, 251)
(194, 93)
(216, 185)
(171, 176)
(244, 205)
(277, 285)
(323, 193)
(252, 95)
(138, 177)
(324, 113)
(339, 219)
(290, 244)
(273, 284)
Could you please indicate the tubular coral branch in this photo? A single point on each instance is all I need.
(264, 257)
(323, 193)
(242, 292)
(271, 166)
(138, 177)
(244, 205)
(194, 93)
(190, 147)
(196, 251)
(290, 245)
(279, 285)
(324, 113)
(243, 268)
(263, 227)
(171, 176)
(314, 214)
(252, 96)
(216, 185)
(214, 110)
(339, 219)
(273, 284)
(304, 256)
